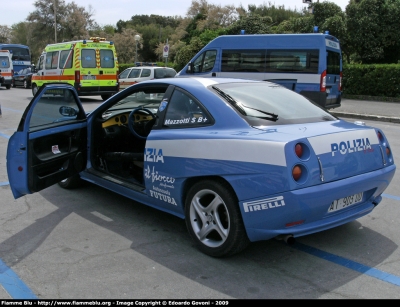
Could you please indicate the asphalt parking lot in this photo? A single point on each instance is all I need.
(91, 243)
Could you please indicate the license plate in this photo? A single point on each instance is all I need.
(341, 203)
(89, 77)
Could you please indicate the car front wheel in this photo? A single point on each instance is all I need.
(34, 89)
(213, 219)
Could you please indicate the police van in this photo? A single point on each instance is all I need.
(6, 69)
(91, 66)
(308, 63)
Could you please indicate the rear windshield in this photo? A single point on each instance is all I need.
(4, 62)
(88, 58)
(265, 103)
(106, 58)
(333, 63)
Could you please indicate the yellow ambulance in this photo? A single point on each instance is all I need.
(91, 66)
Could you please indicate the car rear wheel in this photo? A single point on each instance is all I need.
(214, 220)
(13, 83)
(71, 182)
(105, 96)
(8, 86)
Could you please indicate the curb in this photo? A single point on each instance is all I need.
(368, 117)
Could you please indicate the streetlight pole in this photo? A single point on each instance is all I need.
(55, 21)
(137, 38)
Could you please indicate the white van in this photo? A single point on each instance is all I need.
(136, 74)
(6, 69)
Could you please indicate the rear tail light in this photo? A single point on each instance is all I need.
(296, 172)
(77, 76)
(299, 150)
(323, 82)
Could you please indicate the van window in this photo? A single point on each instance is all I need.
(4, 62)
(333, 65)
(51, 60)
(243, 60)
(40, 63)
(66, 59)
(88, 58)
(106, 58)
(293, 61)
(205, 62)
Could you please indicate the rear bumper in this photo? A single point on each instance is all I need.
(305, 211)
(5, 81)
(96, 90)
(322, 99)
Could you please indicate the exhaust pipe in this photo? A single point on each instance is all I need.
(288, 239)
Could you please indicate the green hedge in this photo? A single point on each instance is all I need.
(372, 80)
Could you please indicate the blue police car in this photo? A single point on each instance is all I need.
(239, 160)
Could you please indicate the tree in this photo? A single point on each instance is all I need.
(125, 45)
(372, 27)
(253, 24)
(5, 34)
(67, 22)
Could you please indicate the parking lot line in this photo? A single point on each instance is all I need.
(14, 286)
(347, 263)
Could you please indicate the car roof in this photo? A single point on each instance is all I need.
(194, 81)
(155, 67)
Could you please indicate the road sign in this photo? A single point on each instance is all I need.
(165, 51)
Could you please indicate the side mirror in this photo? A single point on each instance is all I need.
(190, 68)
(68, 111)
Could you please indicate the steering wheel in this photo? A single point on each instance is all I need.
(134, 126)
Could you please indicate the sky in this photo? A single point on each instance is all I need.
(109, 12)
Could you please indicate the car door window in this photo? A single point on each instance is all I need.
(54, 106)
(135, 73)
(184, 111)
(146, 73)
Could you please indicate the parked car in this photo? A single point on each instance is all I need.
(22, 78)
(135, 74)
(239, 160)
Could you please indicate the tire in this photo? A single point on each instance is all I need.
(214, 220)
(105, 96)
(8, 86)
(71, 182)
(13, 84)
(34, 89)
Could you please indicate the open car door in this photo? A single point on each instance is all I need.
(50, 143)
